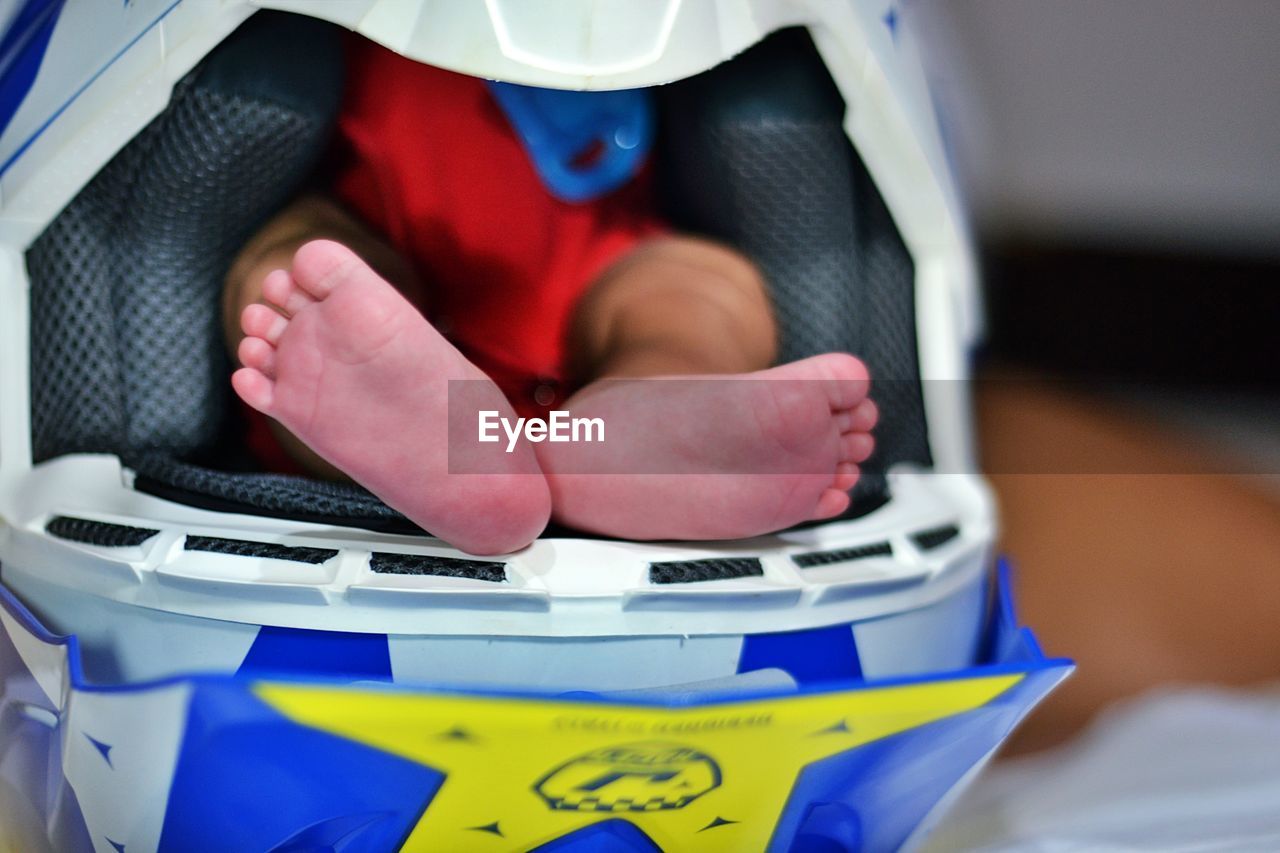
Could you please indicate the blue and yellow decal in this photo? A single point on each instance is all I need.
(520, 773)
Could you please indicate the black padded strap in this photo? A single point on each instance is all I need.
(302, 499)
(272, 495)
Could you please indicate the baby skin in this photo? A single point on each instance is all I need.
(358, 380)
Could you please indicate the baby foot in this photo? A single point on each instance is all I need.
(716, 457)
(352, 369)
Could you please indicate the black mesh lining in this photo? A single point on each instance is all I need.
(935, 537)
(755, 154)
(689, 571)
(270, 550)
(99, 533)
(450, 567)
(126, 341)
(813, 559)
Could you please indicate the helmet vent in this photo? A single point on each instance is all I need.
(935, 537)
(98, 533)
(690, 571)
(813, 559)
(269, 550)
(449, 567)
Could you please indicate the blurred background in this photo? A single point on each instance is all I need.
(1126, 153)
(1117, 124)
(1121, 160)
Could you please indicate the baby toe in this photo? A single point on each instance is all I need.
(255, 388)
(260, 321)
(831, 503)
(280, 290)
(862, 417)
(322, 265)
(258, 354)
(856, 446)
(846, 476)
(847, 379)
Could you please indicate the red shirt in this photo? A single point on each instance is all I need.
(432, 163)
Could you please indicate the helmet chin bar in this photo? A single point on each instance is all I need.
(928, 544)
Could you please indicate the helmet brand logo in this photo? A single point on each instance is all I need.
(636, 777)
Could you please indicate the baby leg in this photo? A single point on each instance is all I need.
(358, 377)
(712, 459)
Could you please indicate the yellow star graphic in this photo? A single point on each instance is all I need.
(522, 772)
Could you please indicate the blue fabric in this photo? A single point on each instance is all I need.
(583, 144)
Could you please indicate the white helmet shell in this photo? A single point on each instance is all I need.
(109, 71)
